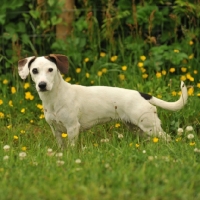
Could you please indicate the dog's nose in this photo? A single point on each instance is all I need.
(42, 85)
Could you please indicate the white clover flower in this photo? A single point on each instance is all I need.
(6, 157)
(60, 162)
(144, 151)
(180, 131)
(105, 140)
(78, 161)
(190, 136)
(189, 128)
(49, 150)
(196, 150)
(22, 155)
(120, 136)
(6, 148)
(59, 155)
(107, 165)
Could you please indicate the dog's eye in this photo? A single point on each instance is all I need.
(50, 69)
(35, 71)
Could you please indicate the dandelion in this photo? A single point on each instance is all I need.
(41, 116)
(87, 75)
(117, 125)
(29, 96)
(23, 110)
(78, 70)
(60, 162)
(198, 85)
(92, 82)
(189, 128)
(164, 72)
(113, 58)
(59, 155)
(143, 58)
(178, 139)
(172, 70)
(190, 136)
(124, 68)
(190, 91)
(174, 93)
(183, 78)
(1, 101)
(5, 81)
(6, 148)
(5, 157)
(64, 135)
(102, 54)
(158, 75)
(144, 76)
(122, 77)
(159, 96)
(78, 161)
(143, 69)
(31, 121)
(22, 155)
(9, 126)
(155, 139)
(15, 137)
(2, 115)
(26, 85)
(99, 73)
(86, 60)
(22, 131)
(140, 64)
(104, 70)
(137, 145)
(195, 72)
(95, 145)
(179, 131)
(192, 143)
(191, 42)
(183, 69)
(68, 79)
(120, 136)
(191, 56)
(10, 103)
(176, 50)
(131, 144)
(24, 148)
(13, 90)
(40, 106)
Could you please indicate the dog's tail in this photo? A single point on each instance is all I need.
(174, 106)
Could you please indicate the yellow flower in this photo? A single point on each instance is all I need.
(5, 81)
(9, 126)
(95, 144)
(113, 58)
(1, 115)
(86, 60)
(183, 69)
(24, 148)
(190, 91)
(158, 75)
(178, 139)
(191, 78)
(41, 116)
(99, 73)
(92, 82)
(140, 64)
(174, 93)
(117, 125)
(143, 58)
(183, 78)
(191, 42)
(23, 110)
(131, 144)
(195, 72)
(124, 68)
(159, 96)
(176, 50)
(191, 56)
(104, 70)
(13, 90)
(122, 77)
(164, 72)
(68, 79)
(10, 103)
(22, 131)
(144, 76)
(1, 101)
(102, 54)
(155, 139)
(137, 145)
(15, 137)
(31, 121)
(78, 70)
(87, 75)
(40, 106)
(64, 135)
(29, 96)
(192, 143)
(172, 70)
(198, 85)
(142, 69)
(198, 94)
(26, 85)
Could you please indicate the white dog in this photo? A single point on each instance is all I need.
(73, 108)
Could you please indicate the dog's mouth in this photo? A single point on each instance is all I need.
(43, 90)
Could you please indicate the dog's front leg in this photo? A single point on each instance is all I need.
(58, 136)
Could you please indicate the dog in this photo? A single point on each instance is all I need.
(73, 108)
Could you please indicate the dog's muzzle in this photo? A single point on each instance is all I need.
(43, 86)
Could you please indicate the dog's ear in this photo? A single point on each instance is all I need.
(61, 62)
(23, 66)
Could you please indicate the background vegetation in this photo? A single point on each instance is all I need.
(144, 45)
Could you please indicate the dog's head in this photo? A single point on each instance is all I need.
(43, 69)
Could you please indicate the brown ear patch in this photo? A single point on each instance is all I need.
(61, 62)
(21, 63)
